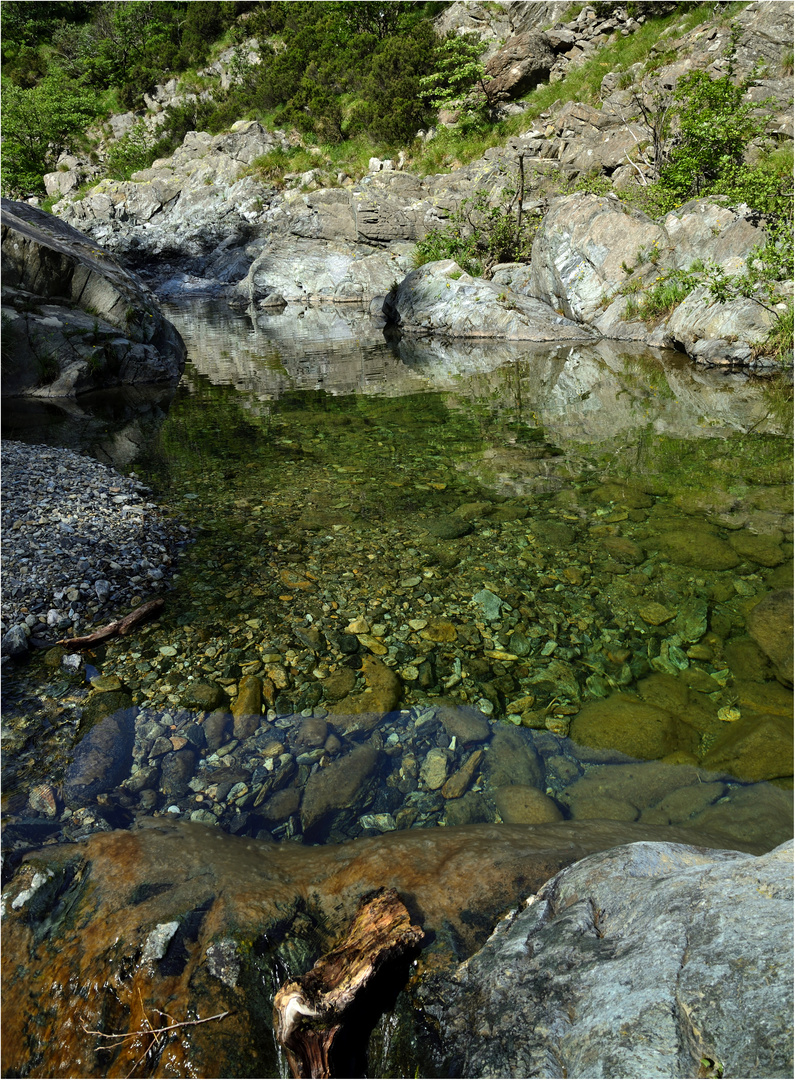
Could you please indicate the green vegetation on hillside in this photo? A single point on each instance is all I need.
(334, 71)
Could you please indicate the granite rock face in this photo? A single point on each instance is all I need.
(439, 298)
(686, 953)
(75, 320)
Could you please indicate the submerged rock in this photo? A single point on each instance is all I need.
(102, 759)
(623, 721)
(337, 787)
(770, 625)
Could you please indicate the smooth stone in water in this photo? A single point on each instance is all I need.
(623, 722)
(102, 759)
(696, 547)
(466, 724)
(448, 528)
(523, 805)
(247, 709)
(489, 603)
(204, 696)
(337, 787)
(434, 769)
(770, 625)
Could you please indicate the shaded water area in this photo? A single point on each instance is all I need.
(436, 584)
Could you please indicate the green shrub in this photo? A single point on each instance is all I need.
(780, 339)
(482, 233)
(665, 295)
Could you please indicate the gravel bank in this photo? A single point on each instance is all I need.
(80, 543)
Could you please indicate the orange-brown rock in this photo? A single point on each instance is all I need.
(102, 935)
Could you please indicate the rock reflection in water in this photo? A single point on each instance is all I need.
(113, 426)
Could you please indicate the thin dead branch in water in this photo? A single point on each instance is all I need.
(146, 1028)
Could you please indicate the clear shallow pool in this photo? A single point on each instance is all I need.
(469, 582)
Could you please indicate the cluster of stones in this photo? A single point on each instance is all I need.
(329, 776)
(80, 543)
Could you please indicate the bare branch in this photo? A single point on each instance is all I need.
(155, 1031)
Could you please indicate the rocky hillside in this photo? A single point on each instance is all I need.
(213, 217)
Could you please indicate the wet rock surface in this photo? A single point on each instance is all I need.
(686, 952)
(211, 924)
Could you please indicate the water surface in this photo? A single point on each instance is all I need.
(566, 541)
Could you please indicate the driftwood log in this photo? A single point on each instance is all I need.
(309, 1011)
(121, 626)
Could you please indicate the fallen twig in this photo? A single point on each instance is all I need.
(120, 626)
(154, 1031)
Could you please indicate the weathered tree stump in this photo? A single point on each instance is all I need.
(309, 1011)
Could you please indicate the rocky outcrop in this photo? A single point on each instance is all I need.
(439, 298)
(494, 23)
(74, 320)
(196, 207)
(592, 253)
(312, 271)
(520, 65)
(209, 923)
(206, 220)
(686, 953)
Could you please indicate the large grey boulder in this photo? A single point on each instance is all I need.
(307, 271)
(589, 249)
(520, 65)
(74, 319)
(713, 231)
(439, 298)
(579, 250)
(640, 961)
(714, 332)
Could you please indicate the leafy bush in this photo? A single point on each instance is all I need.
(482, 233)
(458, 71)
(780, 339)
(715, 127)
(38, 124)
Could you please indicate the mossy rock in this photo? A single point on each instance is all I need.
(755, 748)
(764, 550)
(624, 495)
(204, 696)
(103, 703)
(770, 624)
(623, 722)
(699, 548)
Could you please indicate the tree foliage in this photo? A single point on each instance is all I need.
(458, 69)
(330, 69)
(715, 125)
(39, 124)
